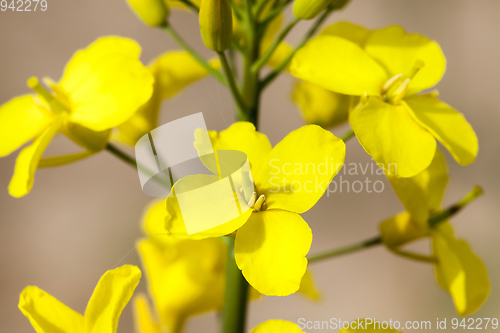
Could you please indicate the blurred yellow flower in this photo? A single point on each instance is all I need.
(276, 326)
(458, 270)
(112, 293)
(173, 71)
(186, 277)
(272, 239)
(388, 67)
(102, 86)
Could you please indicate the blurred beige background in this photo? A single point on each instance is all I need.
(83, 219)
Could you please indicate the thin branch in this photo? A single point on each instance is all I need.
(271, 76)
(277, 41)
(232, 83)
(433, 221)
(194, 54)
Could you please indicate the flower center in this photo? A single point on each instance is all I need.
(394, 90)
(58, 101)
(256, 203)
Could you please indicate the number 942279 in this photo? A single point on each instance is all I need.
(23, 5)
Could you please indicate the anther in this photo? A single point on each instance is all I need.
(419, 64)
(34, 84)
(391, 82)
(251, 202)
(259, 203)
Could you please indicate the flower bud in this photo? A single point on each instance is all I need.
(153, 12)
(216, 24)
(309, 9)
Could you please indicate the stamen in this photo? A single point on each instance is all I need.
(400, 92)
(259, 203)
(34, 84)
(419, 64)
(391, 82)
(251, 202)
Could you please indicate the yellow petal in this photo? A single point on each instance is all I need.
(173, 71)
(447, 125)
(424, 192)
(203, 211)
(242, 136)
(398, 53)
(400, 230)
(106, 83)
(339, 65)
(47, 314)
(186, 277)
(460, 271)
(392, 137)
(300, 168)
(352, 32)
(112, 293)
(28, 159)
(308, 287)
(144, 323)
(90, 140)
(276, 326)
(48, 162)
(270, 250)
(320, 106)
(21, 119)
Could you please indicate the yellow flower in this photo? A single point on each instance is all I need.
(388, 67)
(186, 277)
(173, 71)
(112, 293)
(458, 270)
(102, 86)
(272, 239)
(276, 326)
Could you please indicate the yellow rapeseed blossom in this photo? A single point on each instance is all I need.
(173, 71)
(272, 239)
(186, 277)
(112, 293)
(388, 67)
(102, 86)
(458, 269)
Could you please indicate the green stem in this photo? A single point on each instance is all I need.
(236, 299)
(433, 221)
(277, 41)
(190, 5)
(121, 155)
(347, 135)
(275, 12)
(344, 250)
(232, 83)
(194, 54)
(271, 76)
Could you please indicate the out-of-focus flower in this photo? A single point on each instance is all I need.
(186, 277)
(112, 293)
(272, 239)
(458, 269)
(276, 326)
(152, 12)
(173, 71)
(102, 86)
(388, 67)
